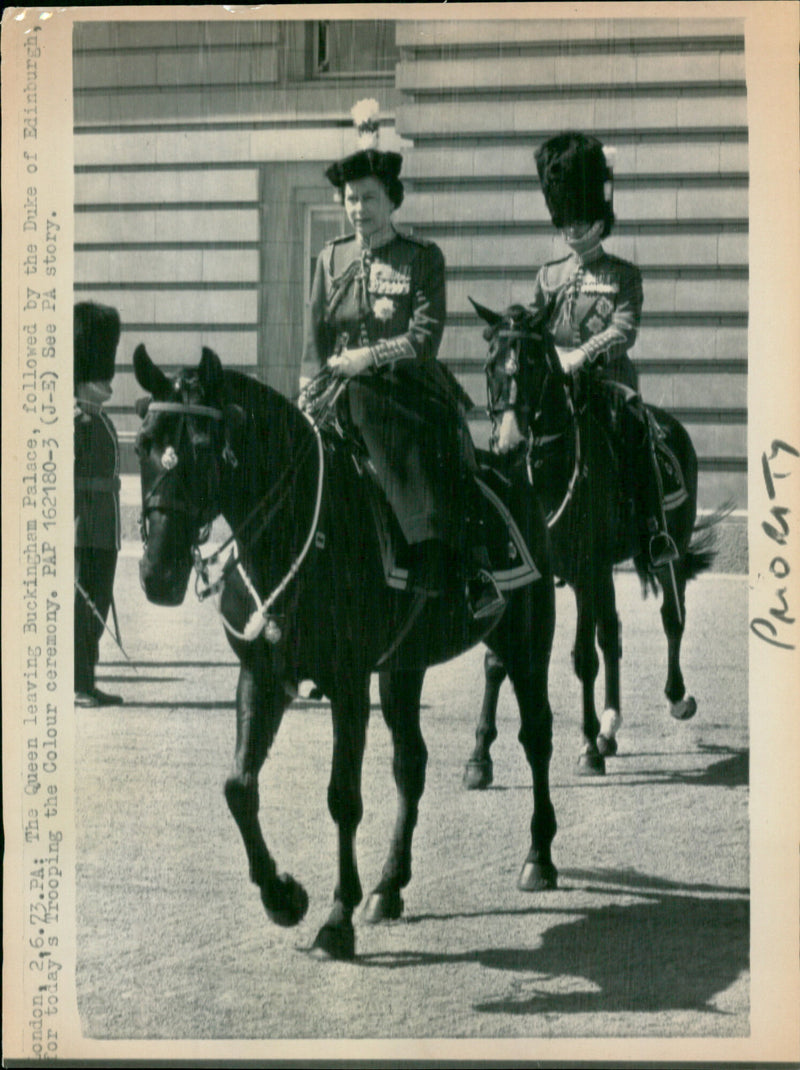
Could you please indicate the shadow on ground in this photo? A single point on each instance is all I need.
(668, 950)
(730, 770)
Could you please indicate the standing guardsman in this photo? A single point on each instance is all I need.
(97, 485)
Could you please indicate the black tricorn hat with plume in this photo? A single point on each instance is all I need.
(96, 330)
(369, 160)
(577, 180)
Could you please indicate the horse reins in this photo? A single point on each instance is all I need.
(260, 619)
(542, 440)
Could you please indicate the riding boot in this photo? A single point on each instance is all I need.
(658, 545)
(484, 597)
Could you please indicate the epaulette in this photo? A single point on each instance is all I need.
(341, 239)
(552, 265)
(415, 239)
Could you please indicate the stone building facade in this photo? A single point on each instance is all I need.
(201, 203)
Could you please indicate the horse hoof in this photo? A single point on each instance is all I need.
(478, 775)
(537, 877)
(606, 747)
(590, 763)
(383, 906)
(335, 943)
(294, 901)
(684, 709)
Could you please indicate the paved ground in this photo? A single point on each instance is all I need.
(646, 936)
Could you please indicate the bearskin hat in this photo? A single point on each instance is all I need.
(96, 337)
(369, 160)
(576, 179)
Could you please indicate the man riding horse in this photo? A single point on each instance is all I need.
(592, 304)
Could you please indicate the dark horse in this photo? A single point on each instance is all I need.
(303, 597)
(562, 433)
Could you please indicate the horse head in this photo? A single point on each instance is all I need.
(521, 362)
(180, 449)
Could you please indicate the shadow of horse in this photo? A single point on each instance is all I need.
(672, 949)
(732, 770)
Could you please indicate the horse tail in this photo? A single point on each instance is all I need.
(703, 545)
(699, 555)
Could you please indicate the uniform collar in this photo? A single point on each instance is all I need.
(378, 240)
(590, 256)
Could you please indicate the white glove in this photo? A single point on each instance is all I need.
(352, 362)
(571, 359)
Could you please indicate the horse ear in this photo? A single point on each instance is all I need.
(148, 376)
(210, 373)
(486, 314)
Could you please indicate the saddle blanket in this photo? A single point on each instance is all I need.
(673, 486)
(510, 559)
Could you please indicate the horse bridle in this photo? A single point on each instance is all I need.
(155, 499)
(512, 368)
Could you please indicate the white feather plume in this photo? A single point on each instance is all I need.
(365, 117)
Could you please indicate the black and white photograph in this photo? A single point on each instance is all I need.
(401, 470)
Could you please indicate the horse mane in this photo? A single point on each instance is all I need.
(257, 400)
(242, 388)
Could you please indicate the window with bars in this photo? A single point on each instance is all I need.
(345, 47)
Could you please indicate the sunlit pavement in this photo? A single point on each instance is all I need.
(647, 934)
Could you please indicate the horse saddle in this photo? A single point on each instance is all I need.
(510, 560)
(673, 483)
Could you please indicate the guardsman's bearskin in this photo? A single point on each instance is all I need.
(369, 160)
(577, 180)
(96, 333)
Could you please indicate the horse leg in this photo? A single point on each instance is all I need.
(536, 736)
(609, 641)
(478, 772)
(350, 710)
(400, 692)
(523, 642)
(260, 702)
(673, 616)
(586, 664)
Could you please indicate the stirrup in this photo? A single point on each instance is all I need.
(662, 550)
(484, 597)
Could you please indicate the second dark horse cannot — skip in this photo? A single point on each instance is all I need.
(303, 596)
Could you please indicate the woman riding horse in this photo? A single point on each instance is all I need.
(377, 318)
(592, 302)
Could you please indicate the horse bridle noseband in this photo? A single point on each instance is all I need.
(152, 499)
(517, 334)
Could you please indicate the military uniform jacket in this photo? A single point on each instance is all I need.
(594, 304)
(97, 482)
(391, 299)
